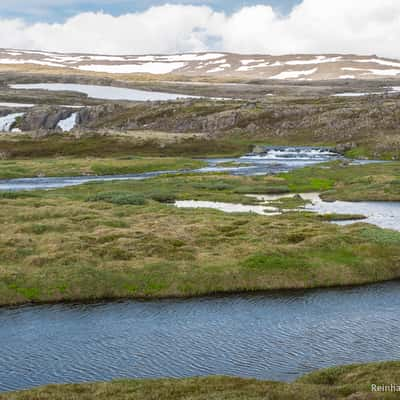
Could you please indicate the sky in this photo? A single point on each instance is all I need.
(247, 26)
(60, 10)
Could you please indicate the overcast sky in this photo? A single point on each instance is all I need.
(140, 26)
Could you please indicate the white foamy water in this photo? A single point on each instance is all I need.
(67, 124)
(292, 153)
(8, 121)
(104, 92)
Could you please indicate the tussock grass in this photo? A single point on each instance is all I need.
(67, 166)
(121, 198)
(97, 146)
(127, 241)
(339, 181)
(340, 383)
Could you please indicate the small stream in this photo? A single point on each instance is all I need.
(274, 161)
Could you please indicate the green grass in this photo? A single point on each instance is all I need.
(120, 198)
(340, 383)
(123, 239)
(110, 146)
(67, 166)
(341, 217)
(339, 181)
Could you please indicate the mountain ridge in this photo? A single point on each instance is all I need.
(290, 67)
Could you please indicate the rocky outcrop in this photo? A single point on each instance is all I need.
(342, 148)
(89, 116)
(43, 118)
(346, 123)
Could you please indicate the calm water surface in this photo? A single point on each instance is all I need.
(103, 92)
(277, 336)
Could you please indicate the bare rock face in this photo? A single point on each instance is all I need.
(89, 116)
(344, 147)
(257, 149)
(43, 118)
(222, 121)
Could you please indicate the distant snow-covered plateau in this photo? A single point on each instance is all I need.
(287, 67)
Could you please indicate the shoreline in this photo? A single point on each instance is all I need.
(206, 295)
(337, 382)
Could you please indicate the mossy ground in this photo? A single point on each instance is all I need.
(341, 383)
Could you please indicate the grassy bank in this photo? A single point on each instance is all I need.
(338, 180)
(123, 239)
(341, 383)
(67, 166)
(122, 146)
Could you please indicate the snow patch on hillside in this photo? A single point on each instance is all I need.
(16, 105)
(380, 62)
(155, 68)
(317, 60)
(13, 61)
(294, 74)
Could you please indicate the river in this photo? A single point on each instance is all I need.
(275, 160)
(277, 336)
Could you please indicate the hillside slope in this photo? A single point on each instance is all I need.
(295, 67)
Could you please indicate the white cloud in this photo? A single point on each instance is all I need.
(314, 26)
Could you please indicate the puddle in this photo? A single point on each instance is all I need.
(228, 207)
(382, 214)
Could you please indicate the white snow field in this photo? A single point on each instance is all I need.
(284, 67)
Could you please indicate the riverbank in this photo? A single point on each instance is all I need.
(126, 240)
(340, 383)
(74, 166)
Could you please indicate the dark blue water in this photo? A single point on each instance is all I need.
(277, 336)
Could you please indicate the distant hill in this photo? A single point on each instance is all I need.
(294, 67)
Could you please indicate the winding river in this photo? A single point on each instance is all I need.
(276, 336)
(273, 161)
